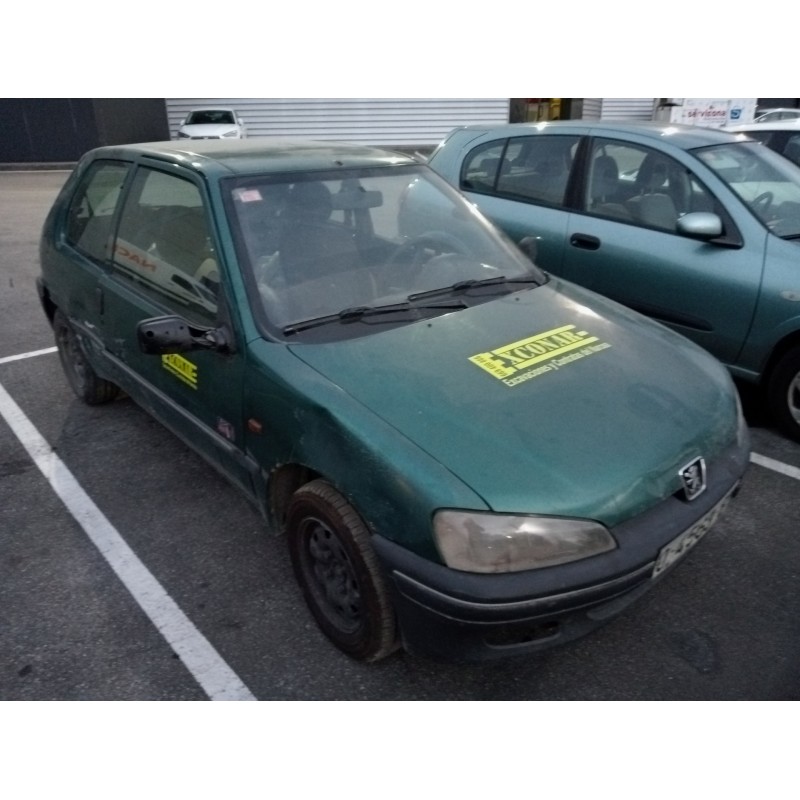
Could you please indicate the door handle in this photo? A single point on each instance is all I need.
(584, 241)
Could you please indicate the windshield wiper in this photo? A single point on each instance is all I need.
(464, 286)
(365, 313)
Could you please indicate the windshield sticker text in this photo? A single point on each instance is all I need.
(181, 368)
(545, 352)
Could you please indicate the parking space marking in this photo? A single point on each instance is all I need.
(775, 466)
(33, 353)
(215, 677)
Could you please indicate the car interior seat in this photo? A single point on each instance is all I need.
(604, 189)
(792, 151)
(320, 264)
(182, 240)
(652, 206)
(310, 246)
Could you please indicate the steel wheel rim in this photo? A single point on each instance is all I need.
(793, 398)
(332, 577)
(72, 357)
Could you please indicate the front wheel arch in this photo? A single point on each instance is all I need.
(339, 572)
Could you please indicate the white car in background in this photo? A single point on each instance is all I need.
(782, 137)
(212, 123)
(778, 115)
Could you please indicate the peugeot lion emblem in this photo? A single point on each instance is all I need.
(693, 476)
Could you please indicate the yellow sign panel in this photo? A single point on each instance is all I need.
(544, 352)
(181, 368)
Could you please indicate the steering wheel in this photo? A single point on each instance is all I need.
(438, 241)
(762, 204)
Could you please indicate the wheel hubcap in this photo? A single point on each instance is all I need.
(336, 585)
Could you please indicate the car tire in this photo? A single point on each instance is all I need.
(783, 393)
(339, 573)
(83, 380)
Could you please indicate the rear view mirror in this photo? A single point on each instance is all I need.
(356, 198)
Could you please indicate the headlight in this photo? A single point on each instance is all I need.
(230, 134)
(182, 135)
(478, 542)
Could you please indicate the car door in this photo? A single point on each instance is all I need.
(521, 184)
(165, 262)
(624, 244)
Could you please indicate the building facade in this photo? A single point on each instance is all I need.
(61, 130)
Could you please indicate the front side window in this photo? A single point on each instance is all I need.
(91, 210)
(164, 245)
(767, 183)
(343, 254)
(641, 186)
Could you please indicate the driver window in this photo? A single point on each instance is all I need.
(164, 246)
(642, 187)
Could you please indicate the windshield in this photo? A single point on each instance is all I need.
(768, 183)
(375, 247)
(215, 117)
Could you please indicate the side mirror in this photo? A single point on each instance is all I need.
(700, 225)
(173, 334)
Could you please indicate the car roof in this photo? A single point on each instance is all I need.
(685, 137)
(217, 157)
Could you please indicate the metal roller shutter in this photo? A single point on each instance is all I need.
(619, 108)
(370, 121)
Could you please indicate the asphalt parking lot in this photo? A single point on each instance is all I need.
(129, 570)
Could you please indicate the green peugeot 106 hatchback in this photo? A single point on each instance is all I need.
(466, 456)
(694, 227)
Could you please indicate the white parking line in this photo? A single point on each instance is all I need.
(207, 667)
(33, 353)
(775, 466)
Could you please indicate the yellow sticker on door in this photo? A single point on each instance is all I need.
(544, 352)
(181, 368)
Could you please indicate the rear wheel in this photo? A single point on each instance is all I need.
(339, 573)
(783, 393)
(83, 380)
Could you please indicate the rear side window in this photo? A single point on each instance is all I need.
(91, 211)
(164, 245)
(533, 169)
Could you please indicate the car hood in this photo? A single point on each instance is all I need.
(551, 401)
(209, 130)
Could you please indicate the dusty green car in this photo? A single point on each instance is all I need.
(695, 227)
(467, 457)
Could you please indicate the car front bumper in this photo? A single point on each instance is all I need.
(460, 616)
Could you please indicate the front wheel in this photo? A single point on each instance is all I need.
(83, 380)
(338, 571)
(783, 393)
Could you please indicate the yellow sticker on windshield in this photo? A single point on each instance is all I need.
(544, 352)
(181, 368)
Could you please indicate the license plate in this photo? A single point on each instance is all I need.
(683, 543)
